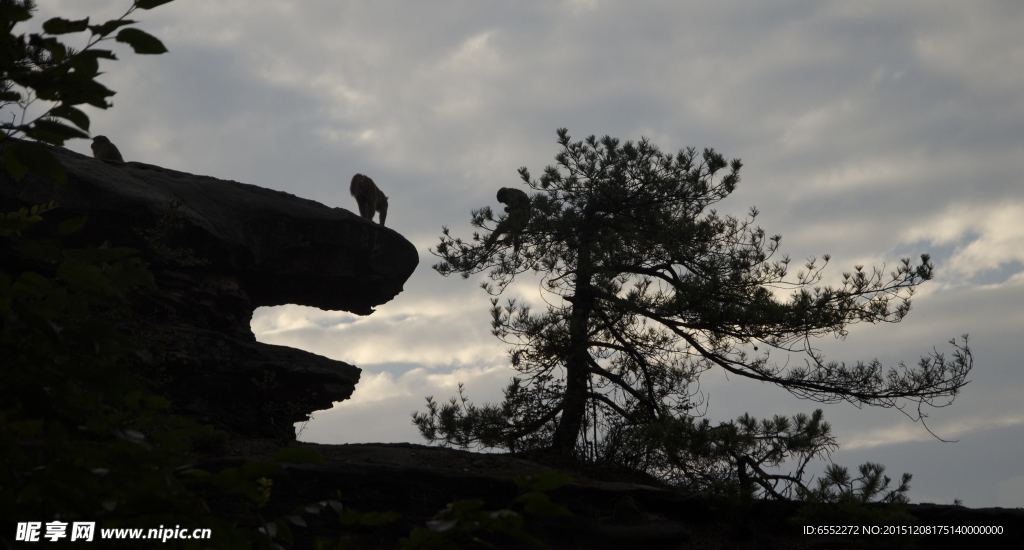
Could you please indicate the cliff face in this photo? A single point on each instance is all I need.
(218, 250)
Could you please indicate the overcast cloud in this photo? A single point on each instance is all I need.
(869, 130)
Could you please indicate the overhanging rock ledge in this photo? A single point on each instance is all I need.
(218, 250)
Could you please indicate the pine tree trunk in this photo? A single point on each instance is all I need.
(577, 377)
(574, 405)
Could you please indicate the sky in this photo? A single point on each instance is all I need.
(870, 131)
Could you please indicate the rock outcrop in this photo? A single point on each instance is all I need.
(218, 250)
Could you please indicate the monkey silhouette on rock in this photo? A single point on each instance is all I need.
(103, 149)
(518, 209)
(369, 197)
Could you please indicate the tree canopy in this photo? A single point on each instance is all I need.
(646, 287)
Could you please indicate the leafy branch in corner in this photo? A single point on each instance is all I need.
(45, 69)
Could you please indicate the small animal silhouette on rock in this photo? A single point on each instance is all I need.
(369, 197)
(103, 149)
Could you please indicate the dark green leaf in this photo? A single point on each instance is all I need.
(76, 116)
(86, 277)
(284, 532)
(97, 54)
(63, 26)
(86, 64)
(74, 90)
(54, 132)
(14, 222)
(69, 226)
(141, 42)
(150, 4)
(110, 26)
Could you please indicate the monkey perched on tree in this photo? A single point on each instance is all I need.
(514, 199)
(104, 150)
(369, 197)
(518, 209)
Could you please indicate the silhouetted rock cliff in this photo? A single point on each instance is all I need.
(218, 250)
